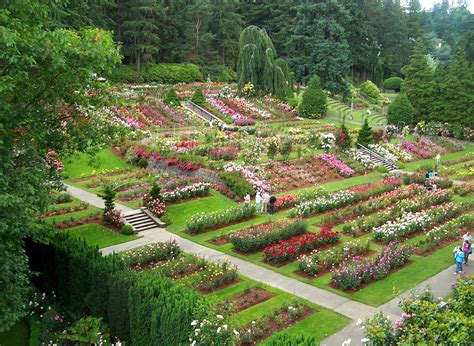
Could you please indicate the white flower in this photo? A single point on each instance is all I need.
(193, 343)
(218, 330)
(359, 322)
(220, 317)
(347, 342)
(224, 326)
(364, 340)
(236, 332)
(195, 322)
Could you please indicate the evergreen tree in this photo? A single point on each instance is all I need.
(343, 138)
(400, 111)
(313, 104)
(198, 97)
(140, 32)
(319, 43)
(418, 84)
(365, 134)
(172, 98)
(459, 91)
(258, 63)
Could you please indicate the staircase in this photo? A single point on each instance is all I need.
(377, 159)
(140, 220)
(201, 112)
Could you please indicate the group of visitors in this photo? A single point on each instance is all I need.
(264, 203)
(430, 179)
(461, 252)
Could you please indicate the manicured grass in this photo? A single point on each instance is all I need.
(98, 235)
(180, 213)
(85, 165)
(18, 335)
(415, 165)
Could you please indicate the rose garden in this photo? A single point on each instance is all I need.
(154, 227)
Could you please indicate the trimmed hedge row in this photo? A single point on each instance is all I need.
(140, 310)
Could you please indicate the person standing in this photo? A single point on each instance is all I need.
(271, 205)
(258, 202)
(459, 261)
(438, 159)
(467, 237)
(247, 198)
(266, 200)
(467, 249)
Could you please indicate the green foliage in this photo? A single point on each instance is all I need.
(365, 134)
(87, 330)
(382, 169)
(258, 63)
(127, 229)
(285, 149)
(220, 73)
(198, 97)
(313, 104)
(418, 84)
(237, 182)
(172, 73)
(282, 339)
(343, 138)
(172, 98)
(393, 83)
(44, 72)
(108, 195)
(155, 191)
(400, 110)
(117, 305)
(125, 74)
(160, 311)
(370, 91)
(319, 29)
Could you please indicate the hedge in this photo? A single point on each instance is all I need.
(161, 312)
(393, 83)
(158, 73)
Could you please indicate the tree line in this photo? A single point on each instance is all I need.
(365, 39)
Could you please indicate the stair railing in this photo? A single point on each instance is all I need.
(202, 112)
(374, 154)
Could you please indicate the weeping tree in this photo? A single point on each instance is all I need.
(259, 65)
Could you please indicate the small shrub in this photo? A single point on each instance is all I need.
(198, 97)
(127, 230)
(237, 183)
(393, 83)
(172, 98)
(382, 169)
(400, 110)
(370, 91)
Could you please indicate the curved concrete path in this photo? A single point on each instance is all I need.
(440, 283)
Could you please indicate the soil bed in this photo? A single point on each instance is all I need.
(221, 287)
(246, 299)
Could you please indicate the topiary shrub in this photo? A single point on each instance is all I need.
(370, 91)
(400, 110)
(313, 103)
(127, 229)
(393, 83)
(172, 98)
(198, 97)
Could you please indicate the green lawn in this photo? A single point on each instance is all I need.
(98, 235)
(85, 165)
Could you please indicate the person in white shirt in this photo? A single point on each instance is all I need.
(247, 198)
(266, 200)
(258, 202)
(467, 237)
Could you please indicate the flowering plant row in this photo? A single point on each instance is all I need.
(418, 150)
(372, 204)
(256, 182)
(311, 264)
(409, 222)
(357, 271)
(293, 247)
(286, 201)
(202, 221)
(445, 233)
(257, 237)
(361, 157)
(215, 275)
(413, 204)
(383, 152)
(198, 189)
(223, 154)
(318, 205)
(142, 256)
(332, 161)
(397, 150)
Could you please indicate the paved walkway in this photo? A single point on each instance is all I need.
(440, 283)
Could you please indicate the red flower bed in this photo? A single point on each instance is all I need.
(286, 201)
(293, 247)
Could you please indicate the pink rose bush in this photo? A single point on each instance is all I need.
(155, 205)
(252, 178)
(238, 118)
(53, 161)
(419, 151)
(353, 273)
(114, 217)
(333, 162)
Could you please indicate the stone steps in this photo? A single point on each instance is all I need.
(140, 221)
(378, 161)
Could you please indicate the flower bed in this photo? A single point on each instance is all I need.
(257, 237)
(332, 161)
(148, 255)
(361, 157)
(318, 205)
(224, 153)
(199, 189)
(397, 150)
(293, 247)
(286, 201)
(353, 273)
(251, 176)
(383, 152)
(313, 263)
(216, 275)
(417, 150)
(202, 221)
(180, 267)
(409, 223)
